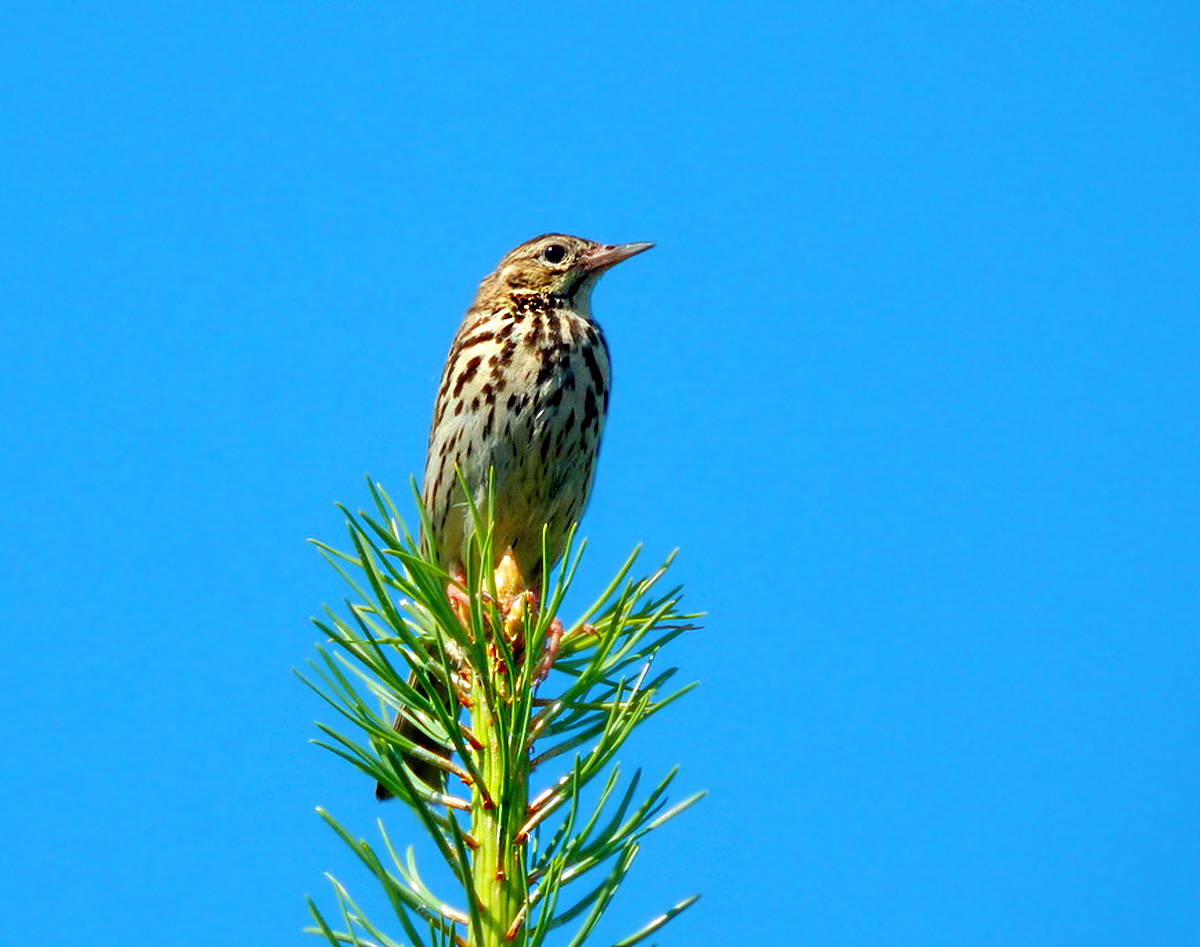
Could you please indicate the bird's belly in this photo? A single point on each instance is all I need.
(543, 475)
(541, 442)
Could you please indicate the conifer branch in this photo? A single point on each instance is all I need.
(402, 637)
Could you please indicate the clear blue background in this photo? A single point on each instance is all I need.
(912, 379)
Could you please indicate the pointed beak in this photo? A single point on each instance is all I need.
(600, 259)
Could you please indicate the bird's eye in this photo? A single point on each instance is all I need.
(555, 253)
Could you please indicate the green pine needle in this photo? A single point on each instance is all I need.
(399, 639)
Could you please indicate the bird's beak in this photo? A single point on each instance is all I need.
(600, 259)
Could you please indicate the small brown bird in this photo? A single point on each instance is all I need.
(524, 392)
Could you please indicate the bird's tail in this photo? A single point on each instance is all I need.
(431, 775)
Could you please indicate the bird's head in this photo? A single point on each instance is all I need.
(555, 264)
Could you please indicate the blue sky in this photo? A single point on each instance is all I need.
(911, 379)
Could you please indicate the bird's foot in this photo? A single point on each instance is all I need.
(553, 641)
(456, 592)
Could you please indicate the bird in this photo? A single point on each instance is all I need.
(522, 398)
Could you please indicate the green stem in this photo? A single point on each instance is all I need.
(498, 864)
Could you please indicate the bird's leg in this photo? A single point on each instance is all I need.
(455, 587)
(550, 648)
(460, 604)
(460, 601)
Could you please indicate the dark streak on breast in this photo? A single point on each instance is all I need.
(467, 374)
(471, 341)
(590, 414)
(589, 358)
